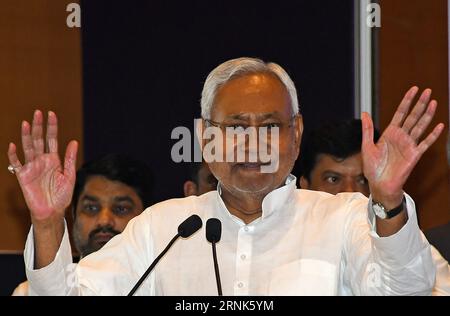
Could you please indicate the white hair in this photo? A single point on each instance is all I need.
(239, 67)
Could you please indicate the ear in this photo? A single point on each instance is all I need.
(304, 183)
(299, 128)
(199, 129)
(298, 131)
(190, 188)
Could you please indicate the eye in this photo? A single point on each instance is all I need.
(272, 125)
(91, 208)
(332, 179)
(122, 209)
(239, 127)
(362, 181)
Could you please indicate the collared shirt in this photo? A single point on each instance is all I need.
(442, 285)
(305, 242)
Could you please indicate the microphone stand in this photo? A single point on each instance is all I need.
(216, 269)
(144, 276)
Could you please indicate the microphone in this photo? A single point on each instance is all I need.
(185, 230)
(213, 233)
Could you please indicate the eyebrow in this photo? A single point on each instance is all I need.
(331, 172)
(90, 198)
(124, 199)
(340, 174)
(117, 199)
(262, 116)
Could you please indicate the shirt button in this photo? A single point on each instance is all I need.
(246, 228)
(243, 257)
(240, 285)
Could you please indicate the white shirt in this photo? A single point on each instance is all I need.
(442, 285)
(305, 242)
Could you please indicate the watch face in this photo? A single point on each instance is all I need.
(379, 211)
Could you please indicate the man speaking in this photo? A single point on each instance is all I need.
(276, 239)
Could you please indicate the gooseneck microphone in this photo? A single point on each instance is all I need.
(186, 229)
(213, 233)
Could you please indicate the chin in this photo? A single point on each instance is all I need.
(253, 185)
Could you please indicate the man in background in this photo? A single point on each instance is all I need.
(201, 180)
(108, 193)
(331, 162)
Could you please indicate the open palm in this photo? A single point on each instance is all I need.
(46, 185)
(389, 162)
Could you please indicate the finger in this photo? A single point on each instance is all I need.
(424, 121)
(27, 143)
(12, 156)
(52, 132)
(403, 108)
(417, 111)
(70, 160)
(367, 129)
(37, 132)
(431, 138)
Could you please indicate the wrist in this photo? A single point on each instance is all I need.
(48, 224)
(389, 201)
(386, 214)
(48, 235)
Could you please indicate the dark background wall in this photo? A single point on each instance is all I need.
(414, 51)
(40, 65)
(144, 64)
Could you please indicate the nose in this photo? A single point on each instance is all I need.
(349, 186)
(106, 217)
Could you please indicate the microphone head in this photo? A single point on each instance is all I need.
(213, 230)
(190, 226)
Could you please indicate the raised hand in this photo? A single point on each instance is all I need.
(388, 163)
(46, 185)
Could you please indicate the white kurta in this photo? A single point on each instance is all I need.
(305, 242)
(442, 285)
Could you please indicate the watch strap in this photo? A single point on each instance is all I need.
(397, 210)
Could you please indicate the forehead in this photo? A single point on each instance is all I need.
(350, 165)
(258, 93)
(103, 187)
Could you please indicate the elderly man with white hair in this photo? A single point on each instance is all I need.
(276, 239)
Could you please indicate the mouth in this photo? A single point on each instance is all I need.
(251, 166)
(103, 237)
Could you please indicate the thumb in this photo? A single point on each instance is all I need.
(367, 130)
(70, 160)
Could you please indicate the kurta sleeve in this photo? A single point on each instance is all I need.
(112, 270)
(400, 264)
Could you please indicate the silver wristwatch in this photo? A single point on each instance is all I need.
(382, 213)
